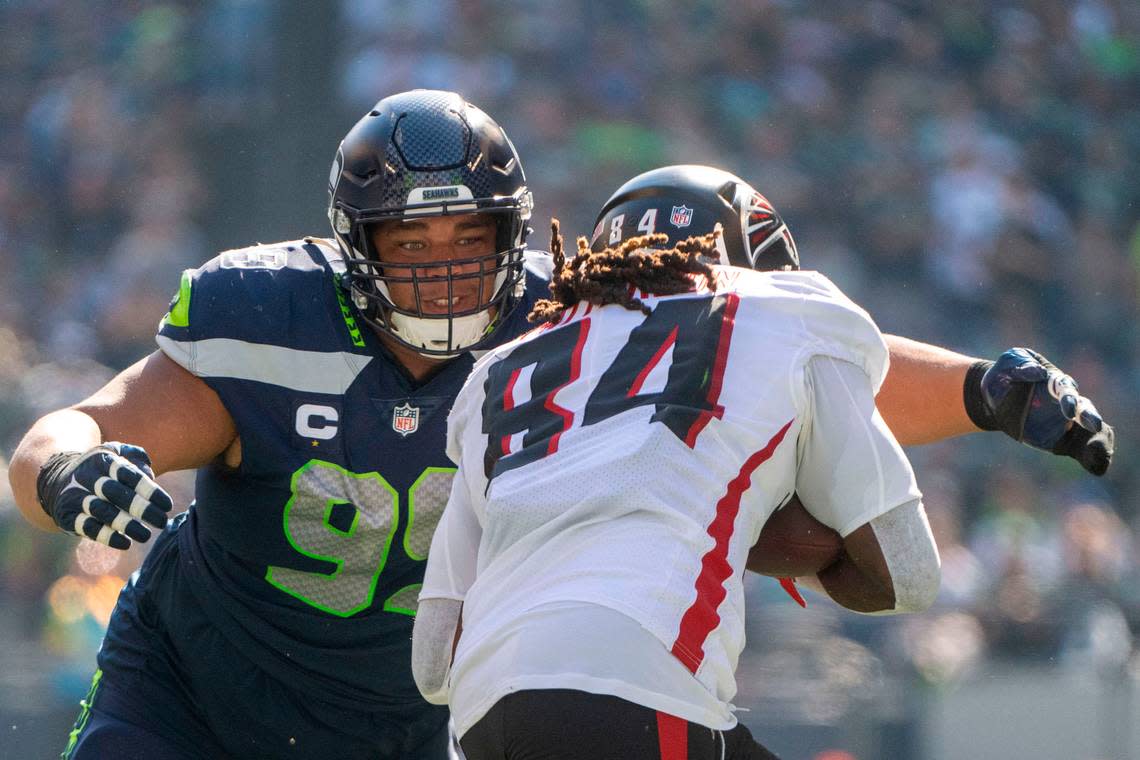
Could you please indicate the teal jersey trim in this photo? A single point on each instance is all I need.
(405, 601)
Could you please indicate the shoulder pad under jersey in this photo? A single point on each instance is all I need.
(832, 324)
(252, 294)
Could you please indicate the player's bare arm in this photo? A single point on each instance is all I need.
(932, 393)
(921, 399)
(155, 405)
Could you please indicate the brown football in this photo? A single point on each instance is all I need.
(793, 543)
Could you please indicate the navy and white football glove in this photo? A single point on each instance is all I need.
(1026, 397)
(106, 494)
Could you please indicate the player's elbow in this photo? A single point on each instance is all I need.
(432, 684)
(430, 675)
(912, 557)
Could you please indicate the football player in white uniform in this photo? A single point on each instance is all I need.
(891, 566)
(930, 393)
(615, 467)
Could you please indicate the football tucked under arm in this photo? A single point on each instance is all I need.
(887, 566)
(793, 544)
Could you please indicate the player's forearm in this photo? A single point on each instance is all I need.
(434, 639)
(860, 579)
(65, 430)
(850, 586)
(921, 398)
(889, 566)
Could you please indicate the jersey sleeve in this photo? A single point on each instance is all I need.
(840, 328)
(239, 298)
(851, 468)
(257, 314)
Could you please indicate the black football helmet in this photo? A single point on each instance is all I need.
(419, 154)
(686, 200)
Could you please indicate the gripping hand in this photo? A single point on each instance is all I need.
(105, 493)
(1026, 397)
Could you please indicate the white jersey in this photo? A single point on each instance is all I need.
(618, 464)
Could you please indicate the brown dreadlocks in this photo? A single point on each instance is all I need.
(605, 277)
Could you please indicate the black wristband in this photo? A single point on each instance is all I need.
(977, 409)
(49, 480)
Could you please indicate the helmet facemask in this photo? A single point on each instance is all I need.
(498, 278)
(416, 156)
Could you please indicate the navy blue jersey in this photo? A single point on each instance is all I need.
(309, 556)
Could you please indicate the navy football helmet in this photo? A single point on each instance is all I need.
(686, 200)
(420, 154)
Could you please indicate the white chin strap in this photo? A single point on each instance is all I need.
(432, 333)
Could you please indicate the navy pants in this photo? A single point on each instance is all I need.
(171, 685)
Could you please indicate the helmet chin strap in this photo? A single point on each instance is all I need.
(432, 333)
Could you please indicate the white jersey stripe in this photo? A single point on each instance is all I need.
(306, 371)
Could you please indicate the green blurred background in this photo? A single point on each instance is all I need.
(968, 171)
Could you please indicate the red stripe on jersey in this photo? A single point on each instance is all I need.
(702, 616)
(732, 301)
(672, 736)
(638, 381)
(509, 393)
(575, 370)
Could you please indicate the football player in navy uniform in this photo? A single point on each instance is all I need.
(308, 382)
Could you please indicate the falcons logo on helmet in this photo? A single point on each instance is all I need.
(763, 226)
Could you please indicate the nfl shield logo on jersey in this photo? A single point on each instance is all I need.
(405, 419)
(682, 216)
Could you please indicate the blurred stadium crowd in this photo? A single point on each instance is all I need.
(967, 171)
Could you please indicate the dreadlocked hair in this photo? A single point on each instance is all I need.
(605, 277)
